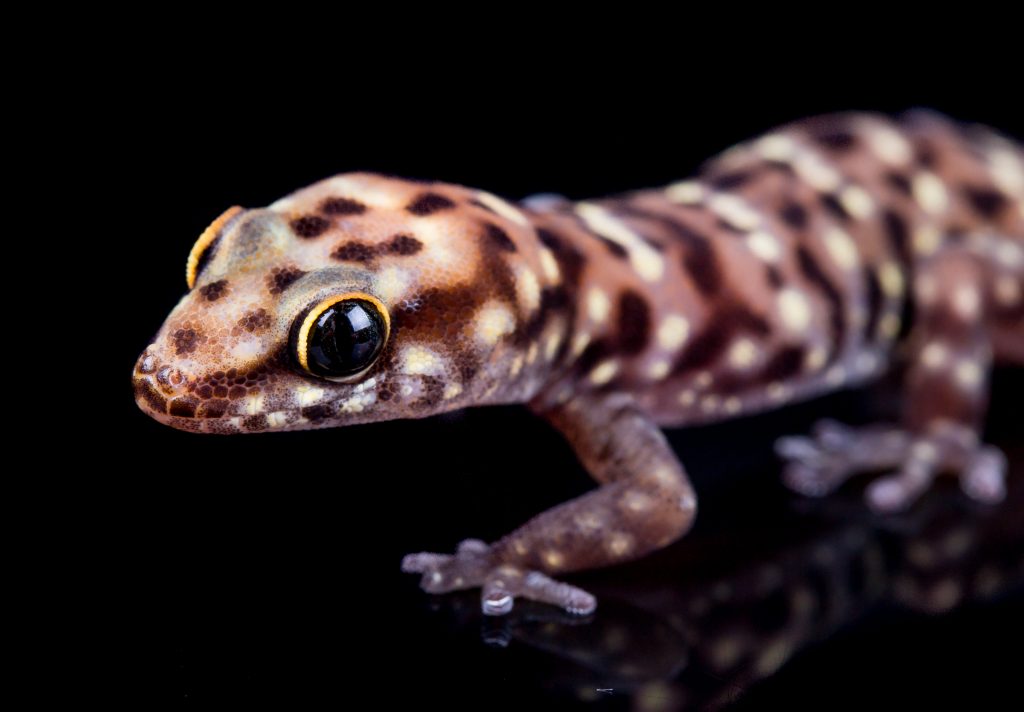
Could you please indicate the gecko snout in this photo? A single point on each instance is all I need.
(160, 390)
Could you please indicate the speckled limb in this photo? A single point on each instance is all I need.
(946, 397)
(645, 502)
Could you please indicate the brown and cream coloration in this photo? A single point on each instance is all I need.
(792, 265)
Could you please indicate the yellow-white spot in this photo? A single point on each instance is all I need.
(637, 501)
(924, 451)
(620, 543)
(709, 404)
(841, 248)
(527, 288)
(735, 210)
(926, 240)
(246, 349)
(493, 321)
(889, 325)
(929, 192)
(687, 398)
(815, 358)
(966, 301)
(673, 332)
(254, 404)
(452, 390)
(776, 147)
(777, 392)
(857, 201)
(1007, 172)
(644, 258)
(598, 305)
(703, 379)
(579, 342)
(516, 366)
(968, 373)
(588, 521)
(794, 309)
(835, 376)
(418, 360)
(502, 208)
(665, 475)
(553, 558)
(1008, 290)
(374, 195)
(817, 173)
(277, 419)
(532, 352)
(732, 405)
(1010, 254)
(391, 284)
(309, 395)
(604, 372)
(551, 343)
(549, 266)
(891, 279)
(658, 369)
(888, 144)
(686, 192)
(765, 245)
(742, 353)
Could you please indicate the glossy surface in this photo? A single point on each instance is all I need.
(345, 338)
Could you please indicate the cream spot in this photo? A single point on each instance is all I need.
(579, 342)
(549, 266)
(742, 353)
(924, 451)
(867, 363)
(527, 288)
(358, 403)
(888, 144)
(857, 201)
(516, 366)
(1010, 254)
(452, 390)
(666, 476)
(551, 344)
(777, 392)
(588, 521)
(776, 147)
(927, 289)
(687, 398)
(502, 208)
(935, 355)
(709, 404)
(553, 558)
(620, 543)
(841, 248)
(277, 419)
(598, 305)
(637, 501)
(929, 192)
(968, 373)
(891, 278)
(1007, 172)
(703, 379)
(1008, 290)
(926, 240)
(418, 360)
(817, 173)
(966, 301)
(686, 192)
(532, 352)
(815, 358)
(835, 376)
(889, 325)
(391, 284)
(254, 404)
(493, 321)
(673, 332)
(794, 309)
(309, 395)
(246, 349)
(732, 405)
(764, 245)
(604, 372)
(369, 192)
(644, 258)
(658, 369)
(735, 210)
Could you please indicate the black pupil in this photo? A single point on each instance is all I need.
(345, 339)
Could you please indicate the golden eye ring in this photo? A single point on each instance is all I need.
(341, 337)
(201, 251)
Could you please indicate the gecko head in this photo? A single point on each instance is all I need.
(357, 299)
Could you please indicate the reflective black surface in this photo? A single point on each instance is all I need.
(267, 566)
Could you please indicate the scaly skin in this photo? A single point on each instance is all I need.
(786, 269)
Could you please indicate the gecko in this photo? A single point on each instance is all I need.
(816, 257)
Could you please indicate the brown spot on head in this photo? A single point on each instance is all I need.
(427, 203)
(986, 202)
(837, 140)
(309, 226)
(342, 206)
(403, 245)
(214, 290)
(280, 278)
(185, 340)
(634, 322)
(256, 320)
(354, 252)
(499, 237)
(794, 215)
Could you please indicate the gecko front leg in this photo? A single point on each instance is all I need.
(644, 503)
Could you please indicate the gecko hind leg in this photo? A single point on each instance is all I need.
(945, 398)
(644, 503)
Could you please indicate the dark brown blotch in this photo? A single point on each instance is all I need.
(837, 140)
(794, 215)
(185, 341)
(145, 390)
(354, 252)
(255, 320)
(634, 323)
(184, 407)
(428, 203)
(317, 413)
(281, 278)
(403, 244)
(834, 207)
(986, 202)
(310, 226)
(214, 290)
(898, 233)
(342, 206)
(499, 237)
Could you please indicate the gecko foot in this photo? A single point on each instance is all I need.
(819, 464)
(473, 565)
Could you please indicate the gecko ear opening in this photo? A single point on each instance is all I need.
(203, 249)
(341, 337)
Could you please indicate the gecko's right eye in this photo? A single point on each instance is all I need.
(341, 337)
(205, 246)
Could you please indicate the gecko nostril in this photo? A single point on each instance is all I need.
(146, 363)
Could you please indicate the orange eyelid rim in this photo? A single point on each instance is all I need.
(323, 306)
(203, 243)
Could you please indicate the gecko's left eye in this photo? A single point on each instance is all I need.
(205, 246)
(341, 337)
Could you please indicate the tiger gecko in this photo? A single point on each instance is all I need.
(799, 263)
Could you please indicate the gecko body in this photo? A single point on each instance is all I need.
(795, 264)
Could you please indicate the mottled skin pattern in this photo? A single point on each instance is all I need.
(793, 265)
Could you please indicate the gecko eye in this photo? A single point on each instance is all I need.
(204, 247)
(341, 337)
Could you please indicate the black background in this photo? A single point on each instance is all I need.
(268, 565)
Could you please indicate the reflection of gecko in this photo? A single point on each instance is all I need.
(790, 267)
